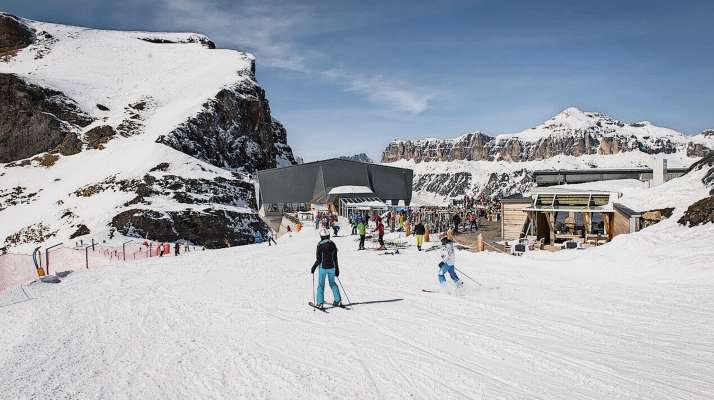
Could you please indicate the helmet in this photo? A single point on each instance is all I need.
(324, 234)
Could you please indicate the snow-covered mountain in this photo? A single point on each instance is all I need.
(142, 134)
(476, 163)
(361, 157)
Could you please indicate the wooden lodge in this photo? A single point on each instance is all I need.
(555, 215)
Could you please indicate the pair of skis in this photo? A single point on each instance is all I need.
(324, 309)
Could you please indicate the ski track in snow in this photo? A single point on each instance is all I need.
(234, 323)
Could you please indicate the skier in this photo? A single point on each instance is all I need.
(354, 221)
(317, 221)
(448, 261)
(271, 237)
(258, 238)
(419, 231)
(380, 230)
(326, 259)
(474, 221)
(457, 221)
(362, 230)
(335, 228)
(177, 249)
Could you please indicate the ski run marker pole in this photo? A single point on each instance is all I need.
(312, 278)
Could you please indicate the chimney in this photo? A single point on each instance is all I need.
(659, 172)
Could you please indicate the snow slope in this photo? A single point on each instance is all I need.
(572, 119)
(116, 68)
(234, 323)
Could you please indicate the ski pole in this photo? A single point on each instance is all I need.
(344, 290)
(464, 274)
(314, 300)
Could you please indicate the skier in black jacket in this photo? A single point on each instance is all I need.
(326, 259)
(419, 231)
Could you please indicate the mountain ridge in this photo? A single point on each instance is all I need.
(477, 164)
(570, 132)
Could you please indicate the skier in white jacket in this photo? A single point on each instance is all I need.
(448, 261)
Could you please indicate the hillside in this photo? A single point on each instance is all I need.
(497, 166)
(129, 133)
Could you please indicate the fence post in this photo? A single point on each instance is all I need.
(47, 256)
(86, 256)
(92, 244)
(123, 248)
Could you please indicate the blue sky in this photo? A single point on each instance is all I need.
(347, 77)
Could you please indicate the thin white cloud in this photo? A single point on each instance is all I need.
(384, 91)
(261, 27)
(268, 29)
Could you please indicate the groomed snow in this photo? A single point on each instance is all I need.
(629, 320)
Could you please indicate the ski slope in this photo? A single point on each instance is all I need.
(631, 319)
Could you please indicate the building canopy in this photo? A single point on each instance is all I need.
(321, 181)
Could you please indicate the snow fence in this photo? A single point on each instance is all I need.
(17, 269)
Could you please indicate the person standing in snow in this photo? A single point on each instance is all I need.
(326, 259)
(335, 228)
(317, 221)
(271, 237)
(380, 231)
(456, 219)
(177, 249)
(448, 260)
(419, 231)
(362, 231)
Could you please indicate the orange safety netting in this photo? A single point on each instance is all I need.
(17, 269)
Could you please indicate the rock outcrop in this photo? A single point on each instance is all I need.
(235, 131)
(35, 119)
(361, 157)
(701, 212)
(211, 228)
(14, 35)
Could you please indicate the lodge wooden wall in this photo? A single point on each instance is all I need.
(513, 220)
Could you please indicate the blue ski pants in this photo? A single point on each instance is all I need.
(330, 275)
(450, 269)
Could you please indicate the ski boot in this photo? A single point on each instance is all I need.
(337, 303)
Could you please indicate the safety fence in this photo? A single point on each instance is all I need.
(17, 269)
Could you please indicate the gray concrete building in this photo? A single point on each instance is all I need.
(330, 184)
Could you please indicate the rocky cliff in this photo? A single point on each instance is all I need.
(571, 133)
(140, 134)
(500, 165)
